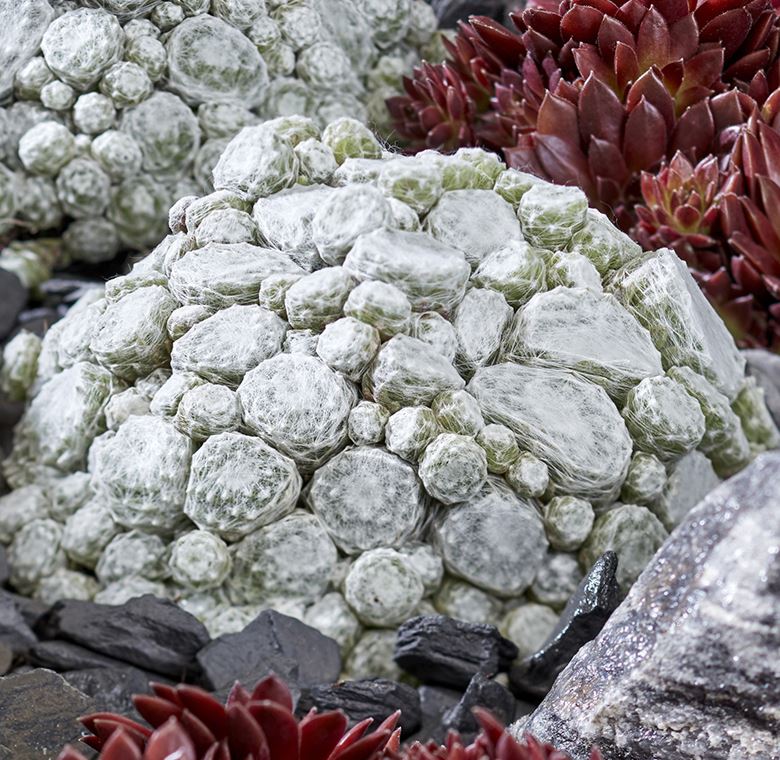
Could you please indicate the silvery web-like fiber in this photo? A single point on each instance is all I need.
(357, 419)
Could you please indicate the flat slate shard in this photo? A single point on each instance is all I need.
(150, 633)
(39, 714)
(445, 652)
(484, 692)
(376, 698)
(271, 643)
(587, 611)
(63, 655)
(687, 666)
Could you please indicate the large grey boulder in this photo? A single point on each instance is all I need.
(688, 665)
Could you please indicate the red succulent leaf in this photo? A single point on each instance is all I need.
(365, 748)
(580, 23)
(684, 35)
(650, 88)
(218, 752)
(610, 33)
(694, 131)
(557, 118)
(320, 733)
(204, 707)
(202, 736)
(245, 737)
(238, 694)
(168, 742)
(645, 138)
(498, 39)
(729, 29)
(121, 747)
(155, 710)
(279, 727)
(274, 689)
(653, 43)
(94, 720)
(165, 691)
(626, 66)
(589, 61)
(606, 161)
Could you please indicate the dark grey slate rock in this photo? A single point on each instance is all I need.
(111, 689)
(13, 297)
(271, 643)
(588, 610)
(481, 692)
(765, 367)
(449, 12)
(6, 659)
(150, 633)
(38, 320)
(435, 701)
(39, 714)
(687, 666)
(375, 698)
(32, 610)
(445, 652)
(14, 631)
(5, 571)
(62, 656)
(10, 413)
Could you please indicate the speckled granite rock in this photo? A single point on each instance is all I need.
(687, 666)
(38, 715)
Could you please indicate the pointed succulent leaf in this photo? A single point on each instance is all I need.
(204, 707)
(169, 741)
(245, 737)
(644, 143)
(121, 747)
(320, 733)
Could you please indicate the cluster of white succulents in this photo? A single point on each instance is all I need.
(358, 387)
(116, 108)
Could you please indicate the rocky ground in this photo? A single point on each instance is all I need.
(83, 656)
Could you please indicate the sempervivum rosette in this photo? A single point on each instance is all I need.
(356, 386)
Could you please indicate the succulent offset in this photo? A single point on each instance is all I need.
(113, 110)
(420, 383)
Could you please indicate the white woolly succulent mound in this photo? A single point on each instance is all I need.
(115, 108)
(366, 397)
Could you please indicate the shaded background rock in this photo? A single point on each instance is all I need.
(376, 698)
(445, 652)
(449, 12)
(270, 643)
(687, 666)
(146, 632)
(765, 367)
